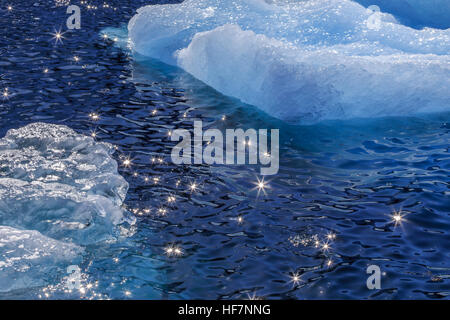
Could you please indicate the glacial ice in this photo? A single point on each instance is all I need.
(59, 191)
(27, 258)
(301, 61)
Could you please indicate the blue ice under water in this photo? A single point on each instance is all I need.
(303, 61)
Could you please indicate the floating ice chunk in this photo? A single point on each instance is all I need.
(29, 259)
(63, 184)
(301, 61)
(301, 86)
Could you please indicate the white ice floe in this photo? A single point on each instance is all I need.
(29, 259)
(302, 61)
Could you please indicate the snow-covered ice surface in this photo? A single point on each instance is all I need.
(59, 191)
(302, 61)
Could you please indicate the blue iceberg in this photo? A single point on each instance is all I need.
(302, 61)
(27, 255)
(59, 191)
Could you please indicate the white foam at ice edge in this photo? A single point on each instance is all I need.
(29, 259)
(301, 61)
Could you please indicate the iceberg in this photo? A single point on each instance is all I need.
(301, 61)
(28, 259)
(59, 191)
(416, 13)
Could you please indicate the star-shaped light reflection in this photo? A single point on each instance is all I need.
(261, 185)
(295, 279)
(326, 247)
(127, 162)
(173, 250)
(94, 116)
(5, 94)
(58, 36)
(398, 218)
(193, 187)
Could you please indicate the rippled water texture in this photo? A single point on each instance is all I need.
(325, 217)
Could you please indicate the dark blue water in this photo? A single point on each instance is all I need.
(339, 183)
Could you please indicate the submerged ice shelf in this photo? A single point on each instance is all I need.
(59, 191)
(301, 61)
